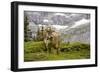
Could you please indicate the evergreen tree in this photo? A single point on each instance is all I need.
(38, 33)
(26, 23)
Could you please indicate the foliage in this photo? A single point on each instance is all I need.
(74, 46)
(26, 29)
(40, 34)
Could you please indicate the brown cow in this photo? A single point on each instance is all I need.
(52, 41)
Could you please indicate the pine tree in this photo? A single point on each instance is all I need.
(26, 23)
(38, 33)
(42, 30)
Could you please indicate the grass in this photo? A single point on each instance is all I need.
(35, 51)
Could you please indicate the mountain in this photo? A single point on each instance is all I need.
(55, 18)
(73, 27)
(79, 33)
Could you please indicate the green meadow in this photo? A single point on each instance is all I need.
(35, 51)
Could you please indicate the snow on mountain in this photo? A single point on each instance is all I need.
(80, 22)
(59, 27)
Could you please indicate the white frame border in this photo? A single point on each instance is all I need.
(22, 64)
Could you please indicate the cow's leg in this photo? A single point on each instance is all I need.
(47, 46)
(50, 47)
(58, 50)
(48, 50)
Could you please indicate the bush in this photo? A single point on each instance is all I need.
(74, 46)
(64, 47)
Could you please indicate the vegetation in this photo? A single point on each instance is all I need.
(35, 51)
(27, 32)
(33, 47)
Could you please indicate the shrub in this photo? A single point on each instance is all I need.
(75, 46)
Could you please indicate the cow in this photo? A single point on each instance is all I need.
(51, 41)
(55, 41)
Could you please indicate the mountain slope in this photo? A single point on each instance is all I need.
(78, 34)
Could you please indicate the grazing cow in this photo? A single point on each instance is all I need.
(52, 41)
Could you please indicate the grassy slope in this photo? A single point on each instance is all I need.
(34, 51)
